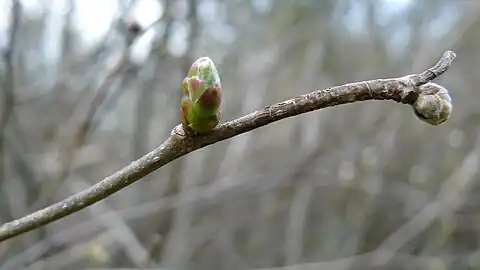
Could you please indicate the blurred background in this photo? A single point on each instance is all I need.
(88, 86)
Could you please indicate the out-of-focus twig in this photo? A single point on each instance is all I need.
(67, 155)
(192, 18)
(165, 223)
(451, 40)
(9, 81)
(448, 199)
(402, 89)
(199, 196)
(118, 228)
(119, 21)
(144, 99)
(7, 108)
(407, 261)
(130, 74)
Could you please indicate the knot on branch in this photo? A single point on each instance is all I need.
(184, 136)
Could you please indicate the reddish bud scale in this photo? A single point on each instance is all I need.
(195, 86)
(211, 98)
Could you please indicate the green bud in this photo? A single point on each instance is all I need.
(201, 96)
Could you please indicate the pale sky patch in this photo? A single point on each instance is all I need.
(93, 18)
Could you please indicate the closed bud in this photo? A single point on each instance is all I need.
(433, 105)
(201, 96)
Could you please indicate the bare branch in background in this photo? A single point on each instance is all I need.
(144, 105)
(8, 99)
(118, 228)
(403, 90)
(450, 197)
(451, 40)
(67, 155)
(458, 184)
(9, 80)
(165, 222)
(192, 18)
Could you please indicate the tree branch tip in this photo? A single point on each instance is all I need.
(449, 54)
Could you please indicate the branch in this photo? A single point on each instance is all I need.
(403, 90)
